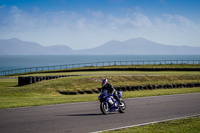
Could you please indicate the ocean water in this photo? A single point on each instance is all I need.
(9, 62)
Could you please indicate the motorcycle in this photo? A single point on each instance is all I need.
(109, 104)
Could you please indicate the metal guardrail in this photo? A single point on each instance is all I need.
(106, 63)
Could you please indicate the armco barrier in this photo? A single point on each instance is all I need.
(132, 69)
(100, 64)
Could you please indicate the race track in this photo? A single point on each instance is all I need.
(86, 117)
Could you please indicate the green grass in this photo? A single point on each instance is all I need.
(117, 72)
(18, 99)
(186, 125)
(76, 83)
(47, 92)
(92, 82)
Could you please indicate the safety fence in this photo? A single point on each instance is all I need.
(95, 64)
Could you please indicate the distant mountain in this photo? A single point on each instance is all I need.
(17, 47)
(136, 46)
(140, 46)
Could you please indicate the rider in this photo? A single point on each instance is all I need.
(111, 90)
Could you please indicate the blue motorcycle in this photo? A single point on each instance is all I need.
(109, 104)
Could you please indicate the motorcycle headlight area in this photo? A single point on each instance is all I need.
(101, 97)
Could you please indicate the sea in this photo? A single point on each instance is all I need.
(9, 62)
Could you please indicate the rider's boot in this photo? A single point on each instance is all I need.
(119, 101)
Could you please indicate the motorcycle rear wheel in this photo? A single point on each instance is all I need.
(104, 108)
(122, 109)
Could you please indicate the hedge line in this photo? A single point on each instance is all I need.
(135, 88)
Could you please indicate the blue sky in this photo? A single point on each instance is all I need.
(82, 24)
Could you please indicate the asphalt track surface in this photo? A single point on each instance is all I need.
(86, 117)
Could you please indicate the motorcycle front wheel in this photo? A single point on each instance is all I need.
(104, 108)
(122, 108)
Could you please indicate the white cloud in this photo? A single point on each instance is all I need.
(2, 6)
(16, 10)
(140, 20)
(19, 19)
(184, 21)
(175, 23)
(78, 30)
(168, 17)
(96, 14)
(81, 24)
(36, 9)
(179, 20)
(163, 2)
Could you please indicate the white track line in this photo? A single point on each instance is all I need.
(137, 125)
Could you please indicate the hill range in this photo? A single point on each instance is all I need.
(136, 46)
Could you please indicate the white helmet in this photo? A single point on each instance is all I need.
(104, 81)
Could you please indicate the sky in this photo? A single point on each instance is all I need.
(82, 24)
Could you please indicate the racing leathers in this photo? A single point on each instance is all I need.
(111, 90)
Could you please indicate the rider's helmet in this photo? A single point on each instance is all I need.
(104, 81)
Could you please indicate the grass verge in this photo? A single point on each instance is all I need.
(79, 83)
(186, 125)
(47, 92)
(36, 99)
(104, 73)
